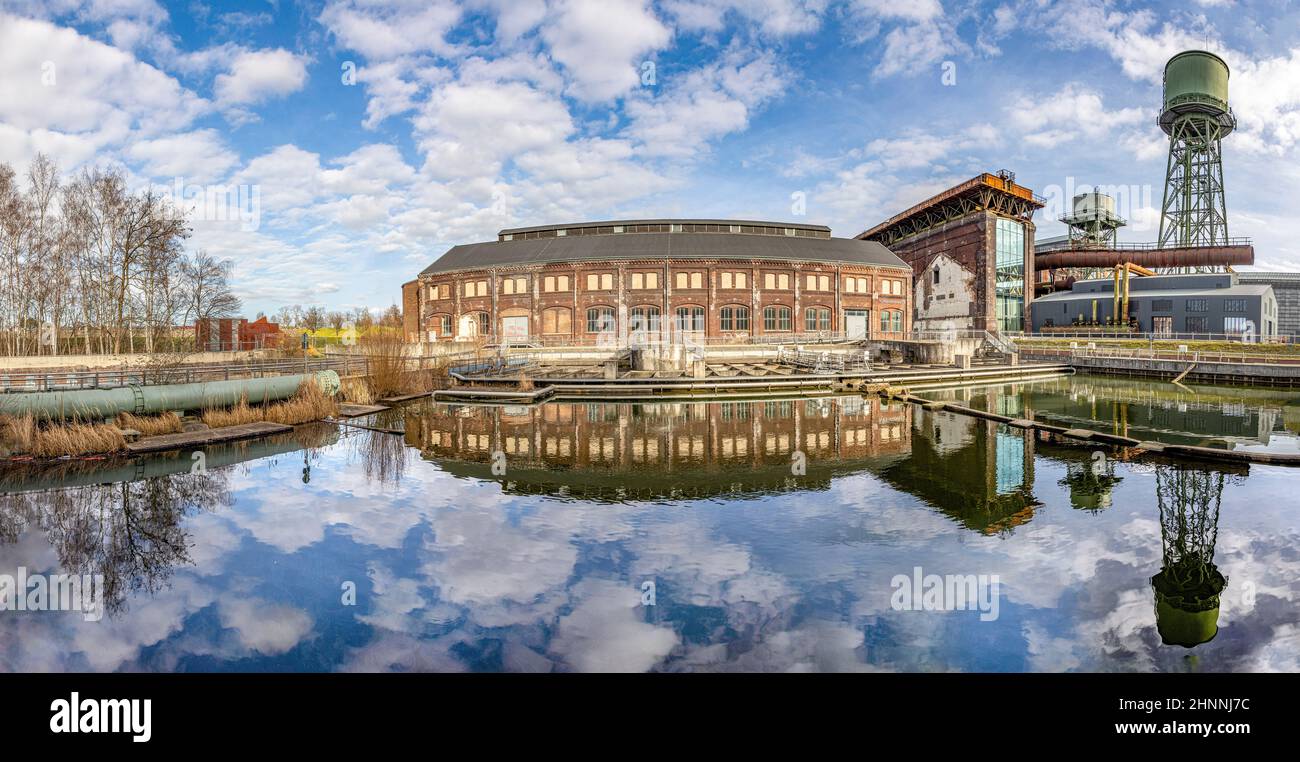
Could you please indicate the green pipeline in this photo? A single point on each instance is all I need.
(91, 404)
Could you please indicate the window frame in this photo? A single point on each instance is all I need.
(597, 314)
(777, 318)
(734, 317)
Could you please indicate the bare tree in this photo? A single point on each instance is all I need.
(89, 256)
(313, 318)
(206, 287)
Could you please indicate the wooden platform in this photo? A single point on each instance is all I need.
(349, 410)
(206, 436)
(402, 398)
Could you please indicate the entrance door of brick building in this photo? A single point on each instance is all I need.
(856, 322)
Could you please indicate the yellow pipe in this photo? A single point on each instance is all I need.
(1125, 313)
(1114, 307)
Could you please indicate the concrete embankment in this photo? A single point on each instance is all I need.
(1190, 368)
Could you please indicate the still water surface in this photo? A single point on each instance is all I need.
(674, 537)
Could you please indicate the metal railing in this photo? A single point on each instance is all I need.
(110, 378)
(824, 362)
(1146, 246)
(615, 340)
(1100, 334)
(1092, 350)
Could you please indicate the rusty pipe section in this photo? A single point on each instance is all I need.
(1185, 256)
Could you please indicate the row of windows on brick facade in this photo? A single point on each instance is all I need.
(558, 320)
(682, 280)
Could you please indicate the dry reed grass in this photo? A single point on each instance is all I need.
(150, 425)
(77, 438)
(16, 433)
(310, 403)
(387, 364)
(237, 415)
(357, 391)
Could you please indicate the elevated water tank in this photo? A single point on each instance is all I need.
(1094, 206)
(1196, 82)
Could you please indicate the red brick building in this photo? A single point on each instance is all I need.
(726, 279)
(411, 310)
(971, 250)
(229, 334)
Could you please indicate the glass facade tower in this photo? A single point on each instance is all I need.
(1010, 274)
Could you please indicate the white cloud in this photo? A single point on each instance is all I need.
(469, 129)
(75, 98)
(779, 18)
(384, 30)
(262, 626)
(258, 75)
(198, 156)
(1071, 113)
(601, 42)
(704, 104)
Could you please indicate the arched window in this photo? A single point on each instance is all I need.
(891, 320)
(645, 318)
(816, 319)
(601, 320)
(442, 325)
(557, 320)
(735, 318)
(690, 319)
(475, 324)
(776, 318)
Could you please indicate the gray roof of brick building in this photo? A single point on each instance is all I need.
(662, 246)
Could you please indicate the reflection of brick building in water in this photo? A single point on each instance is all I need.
(978, 473)
(668, 448)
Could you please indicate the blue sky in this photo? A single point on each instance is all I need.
(461, 118)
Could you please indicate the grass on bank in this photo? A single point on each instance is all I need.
(310, 403)
(1169, 345)
(26, 436)
(150, 425)
(392, 372)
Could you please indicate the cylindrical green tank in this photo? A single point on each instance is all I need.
(1196, 78)
(91, 404)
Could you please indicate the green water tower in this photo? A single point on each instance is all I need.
(1196, 117)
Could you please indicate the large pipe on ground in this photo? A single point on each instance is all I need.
(1196, 256)
(90, 404)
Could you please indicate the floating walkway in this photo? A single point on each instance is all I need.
(186, 439)
(630, 387)
(1101, 437)
(350, 410)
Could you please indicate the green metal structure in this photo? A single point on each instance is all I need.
(1196, 116)
(93, 404)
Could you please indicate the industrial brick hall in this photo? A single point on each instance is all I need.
(723, 279)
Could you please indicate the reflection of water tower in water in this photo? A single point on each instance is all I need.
(1196, 116)
(1091, 483)
(1188, 586)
